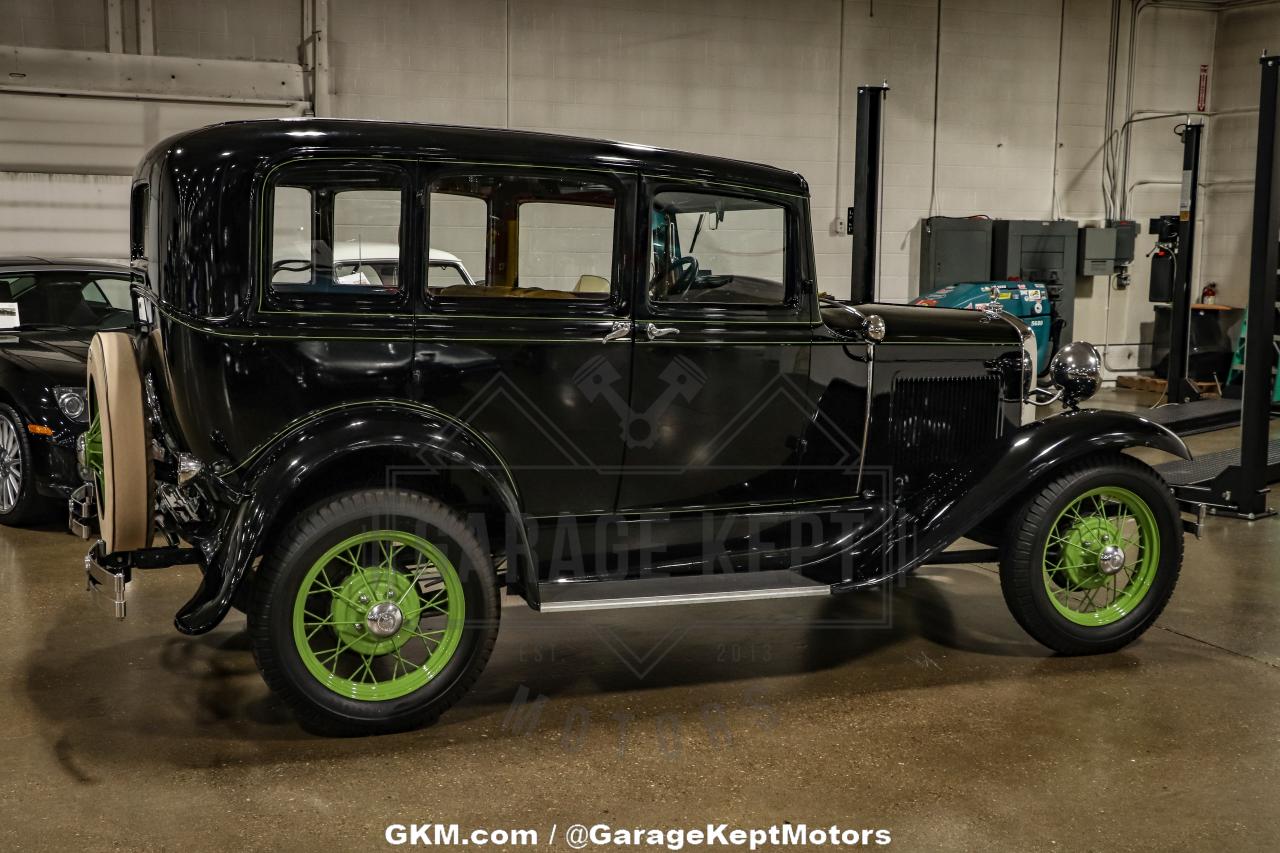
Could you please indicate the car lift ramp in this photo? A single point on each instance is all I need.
(1196, 416)
(1200, 480)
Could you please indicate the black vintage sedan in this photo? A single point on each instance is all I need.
(49, 310)
(645, 403)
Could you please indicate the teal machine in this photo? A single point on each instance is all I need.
(1027, 301)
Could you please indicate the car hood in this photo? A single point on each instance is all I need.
(59, 356)
(911, 324)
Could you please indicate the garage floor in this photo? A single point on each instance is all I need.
(924, 710)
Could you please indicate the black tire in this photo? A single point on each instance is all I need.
(24, 504)
(1022, 574)
(319, 709)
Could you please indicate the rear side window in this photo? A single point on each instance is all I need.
(523, 235)
(335, 236)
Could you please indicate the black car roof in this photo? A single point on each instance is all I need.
(245, 140)
(32, 262)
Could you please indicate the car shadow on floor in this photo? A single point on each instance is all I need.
(192, 701)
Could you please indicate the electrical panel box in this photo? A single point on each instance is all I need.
(1098, 251)
(954, 250)
(1126, 240)
(1034, 251)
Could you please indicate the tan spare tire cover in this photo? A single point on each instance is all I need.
(126, 480)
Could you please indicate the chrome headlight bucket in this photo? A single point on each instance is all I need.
(73, 403)
(1077, 372)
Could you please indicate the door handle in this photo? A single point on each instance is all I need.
(655, 332)
(619, 331)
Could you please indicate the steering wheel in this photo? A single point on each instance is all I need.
(686, 272)
(291, 265)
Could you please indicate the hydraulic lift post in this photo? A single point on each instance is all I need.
(1248, 479)
(863, 223)
(1179, 388)
(1234, 482)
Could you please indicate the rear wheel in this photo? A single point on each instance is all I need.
(1092, 558)
(375, 613)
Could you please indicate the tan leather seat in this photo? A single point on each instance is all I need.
(484, 291)
(591, 284)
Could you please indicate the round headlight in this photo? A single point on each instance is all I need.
(72, 403)
(1077, 370)
(874, 327)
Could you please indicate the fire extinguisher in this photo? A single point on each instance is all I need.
(1209, 295)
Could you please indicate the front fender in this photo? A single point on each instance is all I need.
(956, 501)
(273, 473)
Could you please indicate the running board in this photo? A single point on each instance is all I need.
(686, 589)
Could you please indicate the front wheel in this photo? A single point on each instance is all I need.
(20, 503)
(376, 611)
(1092, 558)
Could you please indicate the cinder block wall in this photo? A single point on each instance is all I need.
(1018, 89)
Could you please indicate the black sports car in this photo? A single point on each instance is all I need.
(49, 310)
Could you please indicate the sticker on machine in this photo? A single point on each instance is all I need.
(9, 315)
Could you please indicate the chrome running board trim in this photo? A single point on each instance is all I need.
(666, 592)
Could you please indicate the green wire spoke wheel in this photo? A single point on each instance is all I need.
(1091, 555)
(93, 453)
(379, 615)
(1101, 556)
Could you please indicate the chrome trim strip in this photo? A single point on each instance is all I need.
(685, 598)
(866, 418)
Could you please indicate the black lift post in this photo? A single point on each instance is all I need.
(1234, 482)
(1186, 412)
(863, 223)
(1180, 389)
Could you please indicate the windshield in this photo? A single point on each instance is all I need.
(65, 300)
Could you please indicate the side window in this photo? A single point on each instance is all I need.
(566, 247)
(335, 236)
(717, 249)
(109, 292)
(519, 236)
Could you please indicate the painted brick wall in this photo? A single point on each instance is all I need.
(1018, 93)
(68, 24)
(229, 29)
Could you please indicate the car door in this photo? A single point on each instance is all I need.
(722, 328)
(528, 340)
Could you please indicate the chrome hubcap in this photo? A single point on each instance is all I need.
(10, 466)
(384, 619)
(1111, 559)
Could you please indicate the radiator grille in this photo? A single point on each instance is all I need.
(936, 422)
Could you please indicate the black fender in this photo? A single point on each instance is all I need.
(956, 501)
(272, 473)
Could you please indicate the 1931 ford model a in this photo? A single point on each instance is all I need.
(621, 390)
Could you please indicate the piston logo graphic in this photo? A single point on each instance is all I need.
(597, 380)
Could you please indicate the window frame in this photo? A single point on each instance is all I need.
(798, 279)
(312, 174)
(623, 183)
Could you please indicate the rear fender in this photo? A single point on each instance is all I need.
(955, 503)
(274, 473)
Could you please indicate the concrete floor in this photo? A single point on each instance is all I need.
(923, 709)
